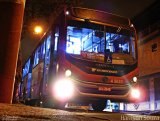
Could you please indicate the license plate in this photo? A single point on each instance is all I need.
(108, 89)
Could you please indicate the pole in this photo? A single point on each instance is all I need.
(11, 18)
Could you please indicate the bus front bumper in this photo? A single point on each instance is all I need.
(90, 90)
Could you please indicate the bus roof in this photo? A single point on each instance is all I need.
(100, 16)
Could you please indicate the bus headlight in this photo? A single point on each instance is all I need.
(135, 93)
(63, 89)
(68, 73)
(135, 79)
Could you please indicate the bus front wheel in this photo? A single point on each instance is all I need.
(99, 105)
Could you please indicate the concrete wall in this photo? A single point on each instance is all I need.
(149, 62)
(149, 71)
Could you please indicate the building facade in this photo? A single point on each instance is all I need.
(149, 69)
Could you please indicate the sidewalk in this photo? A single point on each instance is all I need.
(19, 112)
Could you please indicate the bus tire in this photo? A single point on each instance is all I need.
(99, 105)
(59, 105)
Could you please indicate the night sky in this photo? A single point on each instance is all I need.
(127, 8)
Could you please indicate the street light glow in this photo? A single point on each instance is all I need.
(38, 30)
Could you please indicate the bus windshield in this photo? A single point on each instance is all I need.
(94, 38)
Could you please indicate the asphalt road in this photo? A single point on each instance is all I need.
(19, 112)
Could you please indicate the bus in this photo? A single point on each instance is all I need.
(86, 56)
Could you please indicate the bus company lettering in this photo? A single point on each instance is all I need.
(104, 66)
(103, 70)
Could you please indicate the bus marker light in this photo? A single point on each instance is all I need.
(68, 73)
(134, 79)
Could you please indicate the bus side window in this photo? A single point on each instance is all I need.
(56, 39)
(133, 52)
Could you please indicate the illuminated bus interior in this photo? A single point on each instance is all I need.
(100, 40)
(25, 70)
